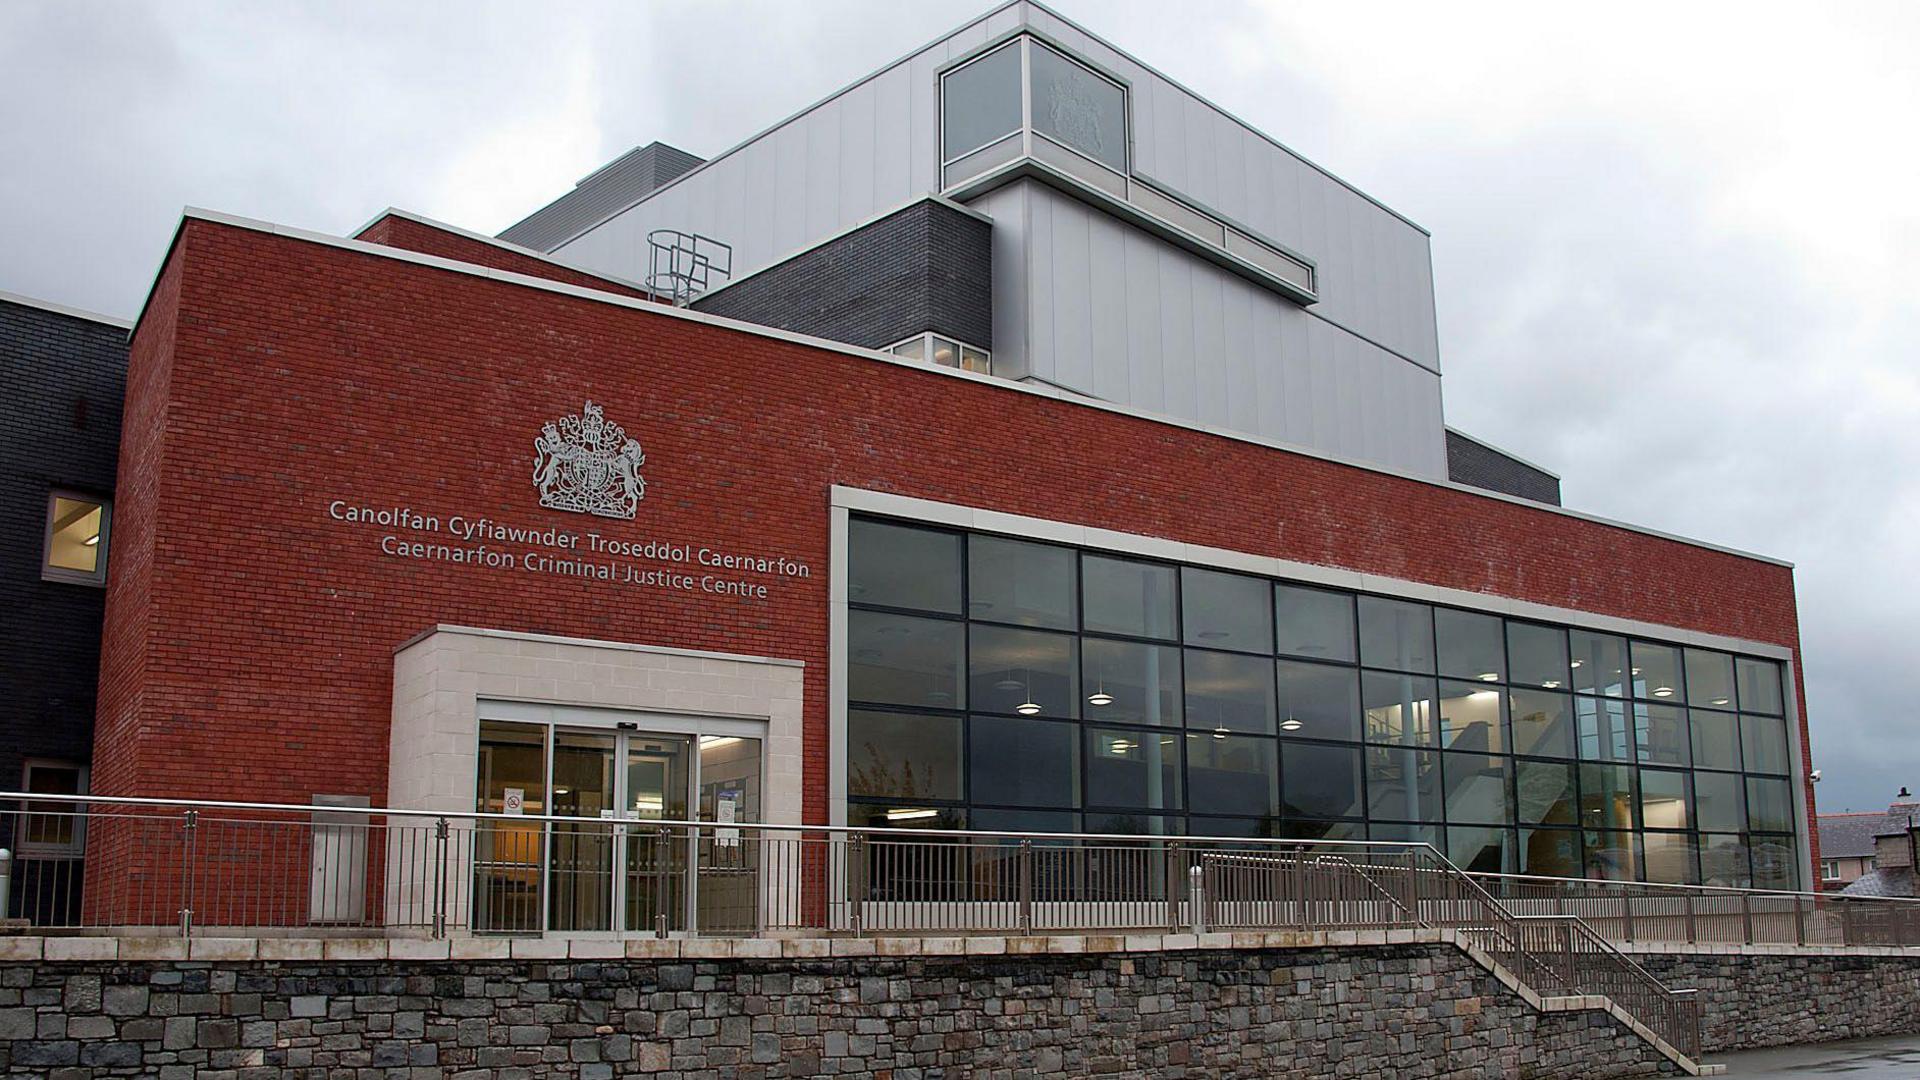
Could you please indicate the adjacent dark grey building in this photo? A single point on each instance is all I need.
(59, 447)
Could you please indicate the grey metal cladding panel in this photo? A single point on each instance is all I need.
(1012, 292)
(1209, 157)
(1478, 465)
(1124, 316)
(626, 178)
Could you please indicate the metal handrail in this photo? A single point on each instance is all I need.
(1672, 887)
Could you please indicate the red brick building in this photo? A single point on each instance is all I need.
(333, 575)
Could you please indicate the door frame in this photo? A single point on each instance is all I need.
(623, 724)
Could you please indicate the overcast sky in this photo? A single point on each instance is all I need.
(1674, 244)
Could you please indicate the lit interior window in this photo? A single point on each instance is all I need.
(76, 538)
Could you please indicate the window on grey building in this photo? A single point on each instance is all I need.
(1079, 109)
(944, 352)
(980, 102)
(76, 538)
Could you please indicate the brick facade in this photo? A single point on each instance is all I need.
(254, 635)
(65, 378)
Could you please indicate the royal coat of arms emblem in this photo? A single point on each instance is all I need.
(587, 464)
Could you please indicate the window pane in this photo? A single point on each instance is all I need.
(1308, 829)
(1127, 597)
(1719, 803)
(1609, 856)
(1268, 826)
(881, 816)
(1320, 781)
(1481, 851)
(1226, 611)
(1022, 763)
(1666, 799)
(1656, 672)
(1603, 730)
(1769, 805)
(1229, 692)
(1544, 793)
(1660, 734)
(1132, 768)
(903, 755)
(945, 353)
(981, 101)
(1472, 645)
(1723, 862)
(74, 543)
(897, 566)
(913, 349)
(1606, 796)
(1763, 741)
(1232, 774)
(1716, 739)
(1476, 787)
(1396, 634)
(1709, 679)
(1405, 832)
(1538, 654)
(1599, 663)
(1670, 858)
(1550, 853)
(1542, 723)
(1079, 108)
(903, 660)
(1314, 623)
(1403, 784)
(1041, 821)
(1759, 686)
(1133, 823)
(1319, 700)
(1472, 717)
(1130, 682)
(1012, 581)
(1030, 672)
(1776, 862)
(975, 360)
(1400, 708)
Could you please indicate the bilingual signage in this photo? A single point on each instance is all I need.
(585, 465)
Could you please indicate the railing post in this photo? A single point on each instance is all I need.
(1846, 920)
(440, 830)
(1197, 898)
(663, 880)
(1693, 935)
(856, 856)
(1024, 921)
(189, 824)
(1170, 883)
(1746, 914)
(1799, 923)
(6, 882)
(691, 898)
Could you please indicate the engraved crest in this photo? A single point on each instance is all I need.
(587, 464)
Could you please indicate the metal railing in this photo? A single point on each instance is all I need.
(1642, 912)
(232, 868)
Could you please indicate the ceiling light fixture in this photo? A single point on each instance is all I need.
(1026, 708)
(1716, 701)
(1663, 691)
(1489, 676)
(1290, 724)
(899, 814)
(91, 540)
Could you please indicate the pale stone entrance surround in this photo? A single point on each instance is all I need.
(441, 676)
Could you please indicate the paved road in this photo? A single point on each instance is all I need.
(1896, 1058)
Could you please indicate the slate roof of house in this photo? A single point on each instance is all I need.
(1850, 836)
(1895, 882)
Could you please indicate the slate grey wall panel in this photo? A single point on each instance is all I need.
(1476, 464)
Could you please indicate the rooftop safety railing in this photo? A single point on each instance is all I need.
(235, 869)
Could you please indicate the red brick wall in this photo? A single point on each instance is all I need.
(400, 232)
(302, 373)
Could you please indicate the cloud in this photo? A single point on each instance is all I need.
(1672, 243)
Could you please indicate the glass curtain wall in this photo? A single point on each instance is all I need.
(1006, 684)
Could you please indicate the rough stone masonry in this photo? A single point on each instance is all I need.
(1411, 1011)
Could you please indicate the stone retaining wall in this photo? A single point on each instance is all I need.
(1406, 1010)
(1783, 997)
